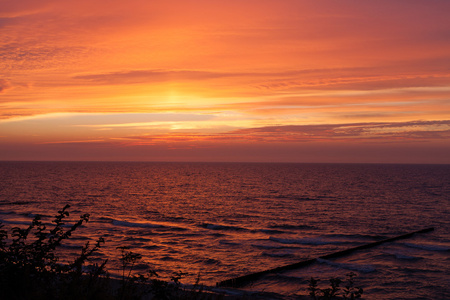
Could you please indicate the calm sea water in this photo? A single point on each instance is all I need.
(222, 220)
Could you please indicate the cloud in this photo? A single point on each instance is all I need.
(141, 76)
(416, 130)
(4, 85)
(30, 55)
(405, 73)
(13, 9)
(108, 119)
(362, 78)
(379, 132)
(359, 82)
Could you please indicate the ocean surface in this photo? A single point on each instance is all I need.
(222, 220)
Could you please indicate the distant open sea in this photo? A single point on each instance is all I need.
(223, 220)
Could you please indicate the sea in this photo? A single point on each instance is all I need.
(215, 221)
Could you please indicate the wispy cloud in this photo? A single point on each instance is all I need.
(4, 85)
(416, 130)
(142, 76)
(363, 78)
(139, 76)
(380, 132)
(110, 119)
(91, 142)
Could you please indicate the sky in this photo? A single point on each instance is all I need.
(345, 81)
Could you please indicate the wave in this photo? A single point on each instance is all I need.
(17, 203)
(16, 222)
(211, 261)
(138, 239)
(48, 224)
(150, 247)
(428, 247)
(272, 231)
(222, 227)
(136, 224)
(290, 226)
(397, 255)
(406, 257)
(229, 293)
(42, 216)
(67, 246)
(306, 199)
(352, 267)
(168, 258)
(268, 247)
(101, 220)
(95, 195)
(279, 277)
(303, 241)
(226, 242)
(279, 254)
(357, 236)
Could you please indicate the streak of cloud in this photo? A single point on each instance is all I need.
(4, 85)
(385, 132)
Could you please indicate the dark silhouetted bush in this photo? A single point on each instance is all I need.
(31, 269)
(334, 291)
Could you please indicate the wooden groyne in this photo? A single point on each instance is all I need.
(242, 280)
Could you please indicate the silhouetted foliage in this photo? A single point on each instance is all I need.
(350, 291)
(31, 269)
(333, 292)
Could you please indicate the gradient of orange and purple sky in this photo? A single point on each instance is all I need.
(207, 80)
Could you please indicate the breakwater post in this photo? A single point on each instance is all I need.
(242, 280)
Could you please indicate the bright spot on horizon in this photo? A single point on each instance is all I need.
(291, 81)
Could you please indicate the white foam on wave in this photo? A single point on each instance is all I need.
(352, 267)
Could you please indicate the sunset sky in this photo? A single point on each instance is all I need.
(248, 80)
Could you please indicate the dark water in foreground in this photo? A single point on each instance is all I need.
(222, 220)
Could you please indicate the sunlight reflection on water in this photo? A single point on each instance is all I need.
(224, 220)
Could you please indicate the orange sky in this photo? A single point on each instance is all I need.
(289, 80)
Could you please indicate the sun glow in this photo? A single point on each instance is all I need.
(211, 72)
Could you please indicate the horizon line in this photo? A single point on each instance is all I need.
(224, 162)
